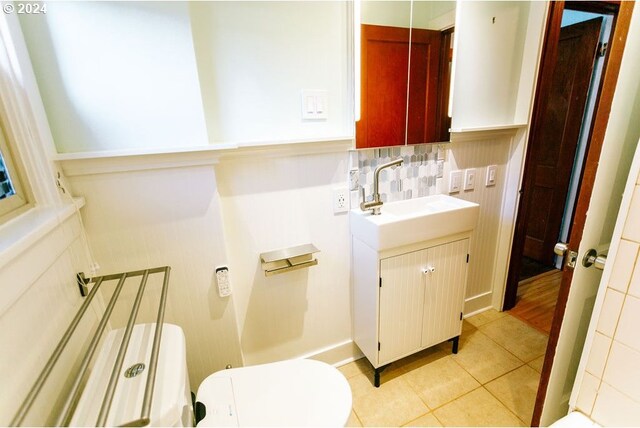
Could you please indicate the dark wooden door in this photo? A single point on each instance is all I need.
(558, 134)
(423, 86)
(384, 87)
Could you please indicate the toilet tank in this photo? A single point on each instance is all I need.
(171, 405)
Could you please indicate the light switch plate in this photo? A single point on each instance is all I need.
(492, 171)
(315, 105)
(469, 179)
(455, 181)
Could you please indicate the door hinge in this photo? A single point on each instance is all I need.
(602, 49)
(460, 316)
(378, 346)
(380, 283)
(467, 258)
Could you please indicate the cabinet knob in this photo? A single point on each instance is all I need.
(429, 269)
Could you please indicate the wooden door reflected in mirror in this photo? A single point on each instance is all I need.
(405, 69)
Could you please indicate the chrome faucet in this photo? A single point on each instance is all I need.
(375, 205)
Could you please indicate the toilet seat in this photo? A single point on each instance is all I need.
(286, 393)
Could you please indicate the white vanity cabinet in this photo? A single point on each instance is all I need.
(409, 298)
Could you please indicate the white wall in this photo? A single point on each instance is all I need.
(143, 219)
(255, 58)
(117, 75)
(427, 14)
(497, 48)
(478, 154)
(390, 13)
(32, 324)
(275, 203)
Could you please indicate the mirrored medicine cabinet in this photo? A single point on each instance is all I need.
(405, 50)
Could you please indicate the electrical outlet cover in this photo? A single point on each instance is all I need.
(469, 179)
(455, 181)
(340, 200)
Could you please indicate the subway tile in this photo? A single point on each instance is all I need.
(623, 370)
(634, 286)
(587, 394)
(598, 354)
(613, 408)
(623, 266)
(610, 312)
(631, 229)
(627, 331)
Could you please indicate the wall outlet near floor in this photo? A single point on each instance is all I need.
(469, 179)
(455, 181)
(340, 200)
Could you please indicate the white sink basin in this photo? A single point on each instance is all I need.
(413, 220)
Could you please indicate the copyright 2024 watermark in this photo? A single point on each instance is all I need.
(33, 8)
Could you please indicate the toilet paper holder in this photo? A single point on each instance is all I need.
(288, 259)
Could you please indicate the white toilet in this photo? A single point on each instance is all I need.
(286, 393)
(574, 420)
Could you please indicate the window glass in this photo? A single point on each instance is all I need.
(6, 188)
(13, 198)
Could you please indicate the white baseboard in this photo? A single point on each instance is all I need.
(476, 304)
(338, 354)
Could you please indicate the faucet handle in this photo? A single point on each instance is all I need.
(362, 198)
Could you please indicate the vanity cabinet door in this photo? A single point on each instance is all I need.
(444, 290)
(401, 305)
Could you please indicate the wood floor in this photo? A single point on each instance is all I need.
(537, 299)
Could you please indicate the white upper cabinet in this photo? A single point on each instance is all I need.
(496, 53)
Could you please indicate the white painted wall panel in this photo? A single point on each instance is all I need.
(484, 242)
(31, 326)
(117, 75)
(255, 58)
(169, 217)
(271, 203)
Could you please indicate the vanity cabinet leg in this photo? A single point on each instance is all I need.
(376, 375)
(454, 346)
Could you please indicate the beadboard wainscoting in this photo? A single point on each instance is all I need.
(201, 216)
(275, 203)
(169, 216)
(31, 324)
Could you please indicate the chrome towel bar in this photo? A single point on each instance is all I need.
(74, 394)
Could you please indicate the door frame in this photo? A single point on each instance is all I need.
(621, 19)
(548, 59)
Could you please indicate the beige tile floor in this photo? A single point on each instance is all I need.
(492, 381)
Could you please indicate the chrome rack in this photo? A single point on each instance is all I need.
(74, 394)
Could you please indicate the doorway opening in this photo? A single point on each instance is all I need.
(561, 358)
(559, 140)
